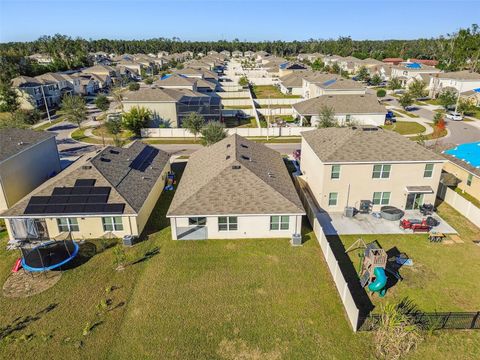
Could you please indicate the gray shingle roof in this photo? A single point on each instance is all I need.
(334, 82)
(210, 186)
(12, 141)
(360, 145)
(342, 104)
(460, 75)
(176, 80)
(161, 95)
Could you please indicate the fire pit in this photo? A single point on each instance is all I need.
(391, 213)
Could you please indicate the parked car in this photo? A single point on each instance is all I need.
(455, 116)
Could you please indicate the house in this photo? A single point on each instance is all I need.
(235, 189)
(103, 70)
(35, 93)
(461, 81)
(427, 62)
(330, 84)
(472, 96)
(344, 166)
(393, 61)
(109, 195)
(406, 71)
(289, 68)
(237, 54)
(293, 83)
(27, 159)
(249, 54)
(174, 81)
(225, 53)
(173, 105)
(41, 59)
(358, 109)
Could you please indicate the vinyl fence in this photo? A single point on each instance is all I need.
(233, 94)
(273, 111)
(353, 312)
(237, 102)
(246, 132)
(280, 101)
(459, 203)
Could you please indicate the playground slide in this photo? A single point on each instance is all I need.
(380, 281)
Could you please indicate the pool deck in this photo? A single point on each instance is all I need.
(338, 224)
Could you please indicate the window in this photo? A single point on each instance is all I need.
(197, 221)
(332, 199)
(227, 223)
(469, 180)
(113, 223)
(381, 198)
(335, 172)
(348, 118)
(428, 171)
(381, 171)
(279, 222)
(67, 224)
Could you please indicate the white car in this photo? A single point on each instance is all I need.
(454, 116)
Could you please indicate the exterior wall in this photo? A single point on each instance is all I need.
(25, 171)
(356, 182)
(360, 119)
(149, 204)
(438, 84)
(164, 110)
(410, 73)
(462, 174)
(249, 227)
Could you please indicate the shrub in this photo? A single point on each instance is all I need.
(133, 86)
(149, 81)
(381, 93)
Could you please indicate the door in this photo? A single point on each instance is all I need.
(414, 200)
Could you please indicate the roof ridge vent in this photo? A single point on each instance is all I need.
(236, 167)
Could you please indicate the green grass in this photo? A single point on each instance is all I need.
(234, 122)
(405, 127)
(48, 124)
(431, 136)
(270, 91)
(237, 107)
(432, 102)
(468, 197)
(275, 106)
(102, 130)
(438, 280)
(408, 113)
(79, 135)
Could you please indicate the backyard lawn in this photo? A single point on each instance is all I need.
(270, 91)
(237, 299)
(405, 127)
(250, 122)
(441, 278)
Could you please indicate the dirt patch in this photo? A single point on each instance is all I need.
(23, 284)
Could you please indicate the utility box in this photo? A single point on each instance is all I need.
(296, 240)
(128, 240)
(349, 211)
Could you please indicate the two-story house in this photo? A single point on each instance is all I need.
(343, 166)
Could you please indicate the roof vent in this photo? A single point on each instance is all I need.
(244, 146)
(20, 143)
(228, 145)
(227, 157)
(104, 159)
(369, 129)
(236, 167)
(270, 175)
(246, 158)
(116, 152)
(86, 167)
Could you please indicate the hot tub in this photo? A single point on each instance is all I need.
(391, 213)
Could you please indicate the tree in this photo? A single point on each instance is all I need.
(136, 119)
(376, 80)
(465, 106)
(8, 97)
(439, 128)
(133, 86)
(243, 81)
(149, 81)
(447, 98)
(326, 117)
(394, 84)
(212, 133)
(381, 93)
(335, 68)
(117, 96)
(437, 117)
(114, 127)
(13, 120)
(74, 109)
(362, 74)
(417, 88)
(318, 65)
(102, 102)
(406, 100)
(194, 123)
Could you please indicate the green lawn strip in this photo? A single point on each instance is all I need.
(79, 135)
(468, 197)
(235, 107)
(274, 106)
(434, 282)
(243, 122)
(270, 91)
(48, 124)
(429, 136)
(408, 113)
(102, 130)
(405, 127)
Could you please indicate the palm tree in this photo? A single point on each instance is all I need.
(136, 119)
(74, 109)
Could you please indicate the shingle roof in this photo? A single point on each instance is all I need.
(334, 82)
(211, 186)
(295, 79)
(460, 75)
(25, 81)
(342, 104)
(130, 172)
(161, 95)
(364, 145)
(176, 80)
(13, 141)
(50, 77)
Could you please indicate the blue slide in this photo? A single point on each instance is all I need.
(380, 281)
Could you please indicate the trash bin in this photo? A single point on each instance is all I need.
(128, 240)
(349, 211)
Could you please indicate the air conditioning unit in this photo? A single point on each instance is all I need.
(296, 240)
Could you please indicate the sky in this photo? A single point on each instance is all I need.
(24, 20)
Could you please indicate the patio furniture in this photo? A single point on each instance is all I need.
(426, 209)
(391, 213)
(436, 237)
(415, 225)
(432, 222)
(365, 206)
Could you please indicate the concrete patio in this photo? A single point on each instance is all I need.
(338, 224)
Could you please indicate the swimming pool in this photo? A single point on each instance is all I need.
(470, 153)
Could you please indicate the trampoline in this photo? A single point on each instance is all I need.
(49, 255)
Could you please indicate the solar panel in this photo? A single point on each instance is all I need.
(74, 209)
(34, 209)
(39, 200)
(58, 199)
(94, 208)
(85, 182)
(80, 199)
(100, 190)
(114, 208)
(97, 199)
(83, 190)
(54, 209)
(62, 191)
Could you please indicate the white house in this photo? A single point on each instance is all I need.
(235, 189)
(462, 81)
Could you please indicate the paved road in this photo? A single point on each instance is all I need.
(187, 149)
(460, 131)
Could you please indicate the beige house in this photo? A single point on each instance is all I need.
(461, 81)
(360, 109)
(330, 84)
(27, 159)
(343, 166)
(467, 176)
(109, 195)
(235, 189)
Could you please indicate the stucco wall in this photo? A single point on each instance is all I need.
(25, 171)
(249, 227)
(164, 110)
(462, 174)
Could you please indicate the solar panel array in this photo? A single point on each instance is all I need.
(82, 198)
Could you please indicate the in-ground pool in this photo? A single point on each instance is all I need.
(470, 153)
